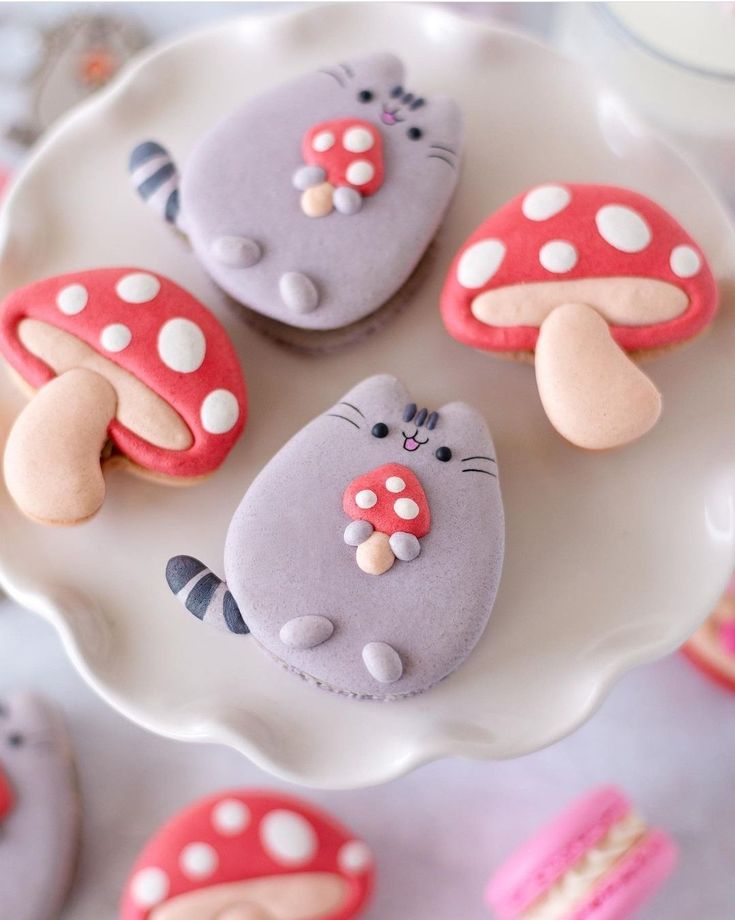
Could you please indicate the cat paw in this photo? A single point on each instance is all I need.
(236, 251)
(383, 662)
(347, 200)
(357, 532)
(307, 177)
(306, 632)
(298, 292)
(405, 546)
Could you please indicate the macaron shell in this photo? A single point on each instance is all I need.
(637, 876)
(548, 855)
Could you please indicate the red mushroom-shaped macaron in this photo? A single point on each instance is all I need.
(122, 357)
(344, 165)
(390, 513)
(7, 798)
(250, 855)
(581, 274)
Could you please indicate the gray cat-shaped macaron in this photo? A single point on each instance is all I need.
(366, 555)
(313, 203)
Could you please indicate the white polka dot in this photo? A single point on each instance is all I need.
(288, 837)
(406, 508)
(558, 256)
(220, 411)
(115, 337)
(479, 263)
(395, 484)
(357, 140)
(360, 172)
(545, 201)
(685, 261)
(366, 499)
(230, 817)
(140, 287)
(323, 141)
(198, 860)
(181, 345)
(72, 299)
(623, 228)
(149, 887)
(354, 857)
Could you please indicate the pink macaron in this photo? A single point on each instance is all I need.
(596, 861)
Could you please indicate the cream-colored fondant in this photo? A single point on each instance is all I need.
(301, 896)
(52, 455)
(375, 556)
(591, 391)
(622, 301)
(139, 409)
(318, 200)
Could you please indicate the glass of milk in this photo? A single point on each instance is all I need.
(673, 62)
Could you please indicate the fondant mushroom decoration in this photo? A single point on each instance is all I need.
(712, 647)
(390, 514)
(582, 276)
(126, 364)
(344, 164)
(250, 855)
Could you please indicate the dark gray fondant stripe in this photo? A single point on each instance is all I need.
(154, 182)
(143, 152)
(201, 595)
(180, 570)
(232, 615)
(171, 211)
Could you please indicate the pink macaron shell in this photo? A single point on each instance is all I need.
(534, 868)
(632, 881)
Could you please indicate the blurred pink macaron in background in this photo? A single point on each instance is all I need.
(597, 860)
(712, 647)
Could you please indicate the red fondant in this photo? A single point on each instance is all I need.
(242, 856)
(337, 160)
(575, 224)
(7, 799)
(184, 391)
(381, 515)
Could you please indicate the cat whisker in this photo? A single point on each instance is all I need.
(348, 70)
(479, 457)
(486, 472)
(359, 412)
(443, 147)
(335, 76)
(344, 417)
(438, 156)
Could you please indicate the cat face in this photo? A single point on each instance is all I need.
(367, 553)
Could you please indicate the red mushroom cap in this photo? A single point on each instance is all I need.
(566, 233)
(349, 150)
(391, 498)
(7, 799)
(155, 331)
(243, 835)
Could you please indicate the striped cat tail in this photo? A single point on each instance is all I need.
(156, 179)
(204, 594)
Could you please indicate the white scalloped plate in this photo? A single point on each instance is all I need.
(612, 560)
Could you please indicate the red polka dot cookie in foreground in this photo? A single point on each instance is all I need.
(581, 277)
(125, 365)
(250, 855)
(598, 860)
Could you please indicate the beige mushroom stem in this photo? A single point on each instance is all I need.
(245, 912)
(318, 201)
(52, 455)
(375, 556)
(593, 394)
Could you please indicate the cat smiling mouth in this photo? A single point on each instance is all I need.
(390, 118)
(410, 442)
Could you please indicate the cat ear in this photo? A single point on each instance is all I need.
(383, 68)
(466, 427)
(381, 393)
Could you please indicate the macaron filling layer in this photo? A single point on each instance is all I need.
(578, 882)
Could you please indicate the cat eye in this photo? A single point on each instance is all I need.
(366, 95)
(415, 133)
(443, 453)
(15, 740)
(380, 430)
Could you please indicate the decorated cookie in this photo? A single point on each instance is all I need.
(598, 860)
(389, 522)
(39, 810)
(712, 647)
(582, 278)
(250, 855)
(125, 364)
(313, 203)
